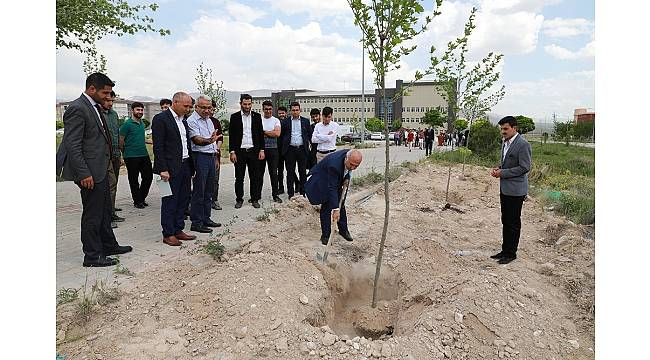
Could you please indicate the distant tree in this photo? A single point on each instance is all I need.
(524, 124)
(583, 130)
(397, 123)
(485, 138)
(59, 124)
(433, 118)
(374, 125)
(146, 123)
(225, 125)
(460, 124)
(94, 62)
(544, 137)
(562, 131)
(81, 23)
(214, 90)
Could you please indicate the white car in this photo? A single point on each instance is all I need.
(377, 136)
(59, 131)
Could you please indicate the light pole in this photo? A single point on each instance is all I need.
(363, 89)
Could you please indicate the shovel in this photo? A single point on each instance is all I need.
(344, 194)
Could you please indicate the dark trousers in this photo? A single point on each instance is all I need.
(172, 209)
(428, 147)
(97, 237)
(326, 220)
(116, 163)
(247, 159)
(296, 155)
(280, 170)
(511, 220)
(202, 188)
(217, 172)
(271, 159)
(139, 166)
(311, 161)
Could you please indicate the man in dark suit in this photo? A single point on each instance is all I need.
(513, 183)
(246, 147)
(173, 162)
(84, 157)
(296, 136)
(429, 137)
(314, 114)
(323, 187)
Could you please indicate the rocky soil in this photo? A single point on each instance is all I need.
(441, 296)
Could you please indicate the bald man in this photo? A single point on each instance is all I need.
(173, 161)
(324, 188)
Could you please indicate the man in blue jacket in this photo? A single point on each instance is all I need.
(323, 187)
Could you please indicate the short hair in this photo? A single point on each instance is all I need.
(214, 104)
(314, 111)
(113, 94)
(282, 108)
(295, 103)
(509, 120)
(267, 103)
(204, 97)
(327, 111)
(98, 80)
(243, 97)
(165, 101)
(137, 104)
(179, 96)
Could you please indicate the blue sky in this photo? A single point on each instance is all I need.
(548, 48)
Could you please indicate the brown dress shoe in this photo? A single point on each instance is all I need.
(172, 241)
(183, 236)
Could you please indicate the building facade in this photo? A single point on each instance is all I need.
(121, 106)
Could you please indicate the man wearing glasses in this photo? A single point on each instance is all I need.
(271, 126)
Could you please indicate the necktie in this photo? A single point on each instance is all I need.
(109, 140)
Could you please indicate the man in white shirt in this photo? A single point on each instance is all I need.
(324, 135)
(271, 126)
(296, 136)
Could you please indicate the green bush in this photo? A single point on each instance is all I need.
(484, 138)
(59, 125)
(214, 249)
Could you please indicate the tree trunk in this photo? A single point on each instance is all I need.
(386, 180)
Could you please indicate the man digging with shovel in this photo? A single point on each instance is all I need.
(325, 187)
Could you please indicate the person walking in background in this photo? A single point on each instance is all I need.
(296, 136)
(429, 138)
(204, 150)
(420, 138)
(324, 135)
(513, 184)
(271, 126)
(84, 157)
(173, 162)
(136, 156)
(411, 136)
(314, 114)
(246, 147)
(116, 160)
(217, 163)
(165, 104)
(282, 114)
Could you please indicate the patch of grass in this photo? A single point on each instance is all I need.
(66, 295)
(374, 177)
(122, 270)
(100, 294)
(215, 249)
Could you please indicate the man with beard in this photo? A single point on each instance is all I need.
(136, 156)
(114, 171)
(314, 114)
(296, 136)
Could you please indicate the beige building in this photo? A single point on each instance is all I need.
(121, 106)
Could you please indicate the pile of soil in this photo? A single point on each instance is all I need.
(440, 295)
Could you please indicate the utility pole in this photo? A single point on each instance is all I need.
(363, 89)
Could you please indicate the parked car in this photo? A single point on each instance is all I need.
(350, 137)
(377, 136)
(59, 131)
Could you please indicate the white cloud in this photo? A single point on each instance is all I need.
(498, 6)
(561, 28)
(243, 12)
(558, 52)
(539, 99)
(315, 8)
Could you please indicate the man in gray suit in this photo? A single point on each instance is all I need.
(513, 181)
(84, 157)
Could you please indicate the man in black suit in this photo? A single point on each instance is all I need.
(173, 162)
(84, 157)
(314, 114)
(246, 147)
(296, 136)
(324, 188)
(429, 137)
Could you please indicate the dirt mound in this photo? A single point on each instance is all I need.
(440, 294)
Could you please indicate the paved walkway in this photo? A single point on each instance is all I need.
(142, 226)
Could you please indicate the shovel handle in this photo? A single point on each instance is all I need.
(344, 192)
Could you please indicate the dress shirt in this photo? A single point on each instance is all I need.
(325, 142)
(94, 104)
(204, 128)
(247, 135)
(296, 132)
(181, 129)
(507, 143)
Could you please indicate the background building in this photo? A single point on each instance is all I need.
(121, 106)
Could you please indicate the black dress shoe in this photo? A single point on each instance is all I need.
(145, 203)
(256, 204)
(324, 239)
(211, 223)
(117, 218)
(139, 205)
(102, 261)
(238, 204)
(498, 256)
(117, 209)
(277, 199)
(202, 229)
(119, 250)
(346, 235)
(506, 259)
(113, 225)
